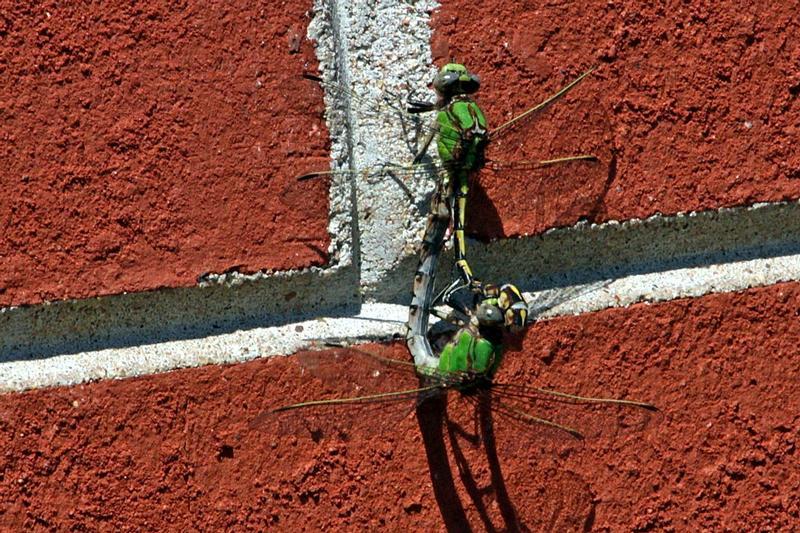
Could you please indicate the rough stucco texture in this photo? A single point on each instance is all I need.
(695, 105)
(181, 450)
(143, 145)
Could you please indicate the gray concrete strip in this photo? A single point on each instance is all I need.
(373, 54)
(664, 286)
(236, 346)
(580, 269)
(589, 253)
(377, 322)
(125, 320)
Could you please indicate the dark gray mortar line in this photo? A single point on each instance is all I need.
(133, 319)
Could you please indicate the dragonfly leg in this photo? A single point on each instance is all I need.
(451, 318)
(459, 221)
(447, 297)
(426, 143)
(419, 106)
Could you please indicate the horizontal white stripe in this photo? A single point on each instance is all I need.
(375, 322)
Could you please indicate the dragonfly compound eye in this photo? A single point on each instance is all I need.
(488, 314)
(455, 79)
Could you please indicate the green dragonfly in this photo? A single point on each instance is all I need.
(390, 105)
(509, 149)
(470, 355)
(465, 147)
(511, 152)
(390, 388)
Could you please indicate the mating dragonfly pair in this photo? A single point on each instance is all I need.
(464, 350)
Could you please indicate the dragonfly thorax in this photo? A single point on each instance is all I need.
(463, 134)
(469, 354)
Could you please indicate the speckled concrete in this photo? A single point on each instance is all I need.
(611, 265)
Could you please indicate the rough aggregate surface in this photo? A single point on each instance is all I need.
(694, 105)
(144, 145)
(188, 449)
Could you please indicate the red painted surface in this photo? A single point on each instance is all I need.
(699, 103)
(177, 450)
(143, 145)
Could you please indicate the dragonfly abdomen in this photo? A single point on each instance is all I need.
(422, 292)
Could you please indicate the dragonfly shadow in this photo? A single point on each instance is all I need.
(430, 416)
(538, 494)
(482, 218)
(485, 434)
(433, 420)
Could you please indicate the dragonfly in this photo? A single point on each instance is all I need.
(388, 105)
(468, 354)
(454, 86)
(461, 356)
(392, 388)
(389, 387)
(510, 149)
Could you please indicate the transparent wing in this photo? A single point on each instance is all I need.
(342, 389)
(433, 169)
(547, 417)
(522, 119)
(386, 169)
(549, 300)
(518, 194)
(389, 104)
(555, 413)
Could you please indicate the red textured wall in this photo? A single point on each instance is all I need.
(177, 451)
(143, 145)
(697, 102)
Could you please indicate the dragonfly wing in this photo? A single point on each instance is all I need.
(374, 173)
(529, 197)
(528, 426)
(528, 114)
(345, 389)
(567, 415)
(387, 105)
(319, 420)
(550, 299)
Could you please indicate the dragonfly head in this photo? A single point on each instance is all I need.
(454, 79)
(503, 306)
(516, 316)
(514, 307)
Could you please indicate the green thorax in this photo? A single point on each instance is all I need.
(462, 134)
(469, 352)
